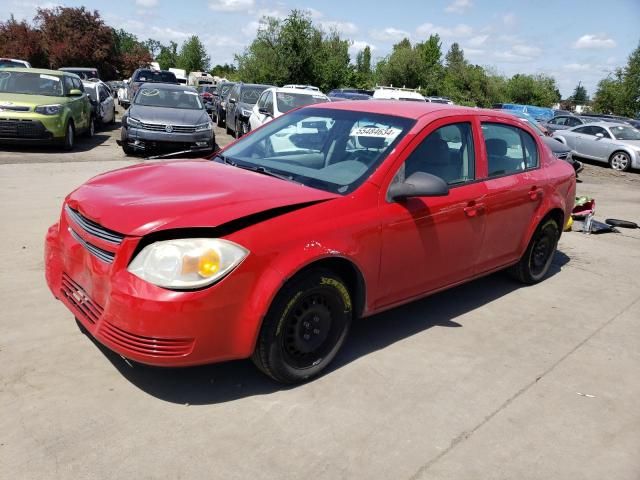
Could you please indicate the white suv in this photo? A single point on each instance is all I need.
(275, 102)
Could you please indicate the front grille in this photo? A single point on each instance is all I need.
(156, 346)
(79, 300)
(92, 228)
(23, 129)
(102, 254)
(14, 108)
(159, 127)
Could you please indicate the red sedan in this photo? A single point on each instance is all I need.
(273, 246)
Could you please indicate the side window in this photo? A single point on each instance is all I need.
(447, 153)
(77, 84)
(601, 130)
(509, 149)
(262, 100)
(234, 92)
(574, 122)
(559, 121)
(268, 104)
(586, 130)
(103, 93)
(68, 84)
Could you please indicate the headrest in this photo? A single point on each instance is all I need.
(496, 146)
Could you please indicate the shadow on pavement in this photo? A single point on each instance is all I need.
(83, 143)
(224, 382)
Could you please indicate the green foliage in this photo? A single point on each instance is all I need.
(168, 56)
(293, 50)
(362, 75)
(228, 71)
(580, 96)
(538, 90)
(193, 56)
(619, 93)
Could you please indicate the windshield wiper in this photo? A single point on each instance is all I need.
(257, 169)
(173, 154)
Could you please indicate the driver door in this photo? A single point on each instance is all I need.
(429, 243)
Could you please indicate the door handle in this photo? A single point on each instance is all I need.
(535, 194)
(473, 209)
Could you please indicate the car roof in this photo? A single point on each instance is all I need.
(301, 91)
(413, 110)
(81, 69)
(42, 71)
(604, 124)
(168, 86)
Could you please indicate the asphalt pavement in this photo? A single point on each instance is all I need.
(490, 380)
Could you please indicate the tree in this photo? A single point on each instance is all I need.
(20, 40)
(431, 70)
(154, 47)
(293, 50)
(168, 56)
(609, 97)
(538, 90)
(193, 56)
(362, 73)
(631, 85)
(76, 36)
(130, 53)
(401, 68)
(580, 96)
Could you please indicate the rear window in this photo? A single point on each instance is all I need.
(289, 101)
(154, 76)
(10, 64)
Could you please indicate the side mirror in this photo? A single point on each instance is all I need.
(75, 92)
(599, 135)
(264, 111)
(420, 184)
(232, 100)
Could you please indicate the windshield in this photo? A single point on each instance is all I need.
(333, 150)
(157, 97)
(153, 76)
(289, 101)
(224, 89)
(10, 64)
(625, 133)
(250, 95)
(31, 83)
(84, 74)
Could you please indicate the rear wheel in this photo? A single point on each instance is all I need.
(69, 137)
(535, 263)
(305, 327)
(219, 120)
(91, 129)
(620, 161)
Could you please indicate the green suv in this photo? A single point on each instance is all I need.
(43, 106)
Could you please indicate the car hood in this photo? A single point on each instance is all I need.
(184, 194)
(26, 100)
(172, 116)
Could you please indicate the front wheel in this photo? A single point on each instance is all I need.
(69, 137)
(91, 129)
(620, 161)
(535, 263)
(305, 327)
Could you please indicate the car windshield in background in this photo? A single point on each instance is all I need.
(31, 83)
(250, 95)
(157, 97)
(289, 101)
(225, 89)
(333, 150)
(10, 64)
(625, 133)
(153, 76)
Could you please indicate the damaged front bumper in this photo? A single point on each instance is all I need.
(144, 140)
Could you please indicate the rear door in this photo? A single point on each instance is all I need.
(514, 189)
(429, 243)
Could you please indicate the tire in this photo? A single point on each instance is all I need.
(614, 222)
(69, 137)
(238, 129)
(229, 131)
(305, 327)
(535, 263)
(113, 119)
(91, 130)
(219, 120)
(127, 149)
(620, 161)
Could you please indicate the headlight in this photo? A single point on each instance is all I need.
(187, 263)
(246, 113)
(132, 122)
(203, 127)
(48, 109)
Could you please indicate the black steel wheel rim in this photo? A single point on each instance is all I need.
(312, 328)
(541, 252)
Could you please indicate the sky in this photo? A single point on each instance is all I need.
(571, 40)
